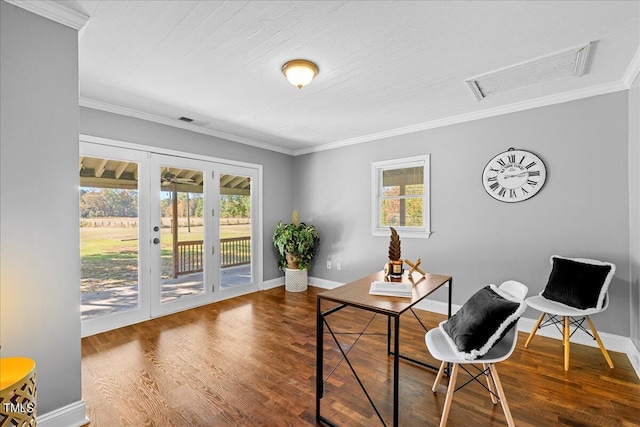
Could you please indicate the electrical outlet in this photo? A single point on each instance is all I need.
(338, 265)
(328, 264)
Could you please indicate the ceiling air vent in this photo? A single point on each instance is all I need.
(185, 119)
(567, 63)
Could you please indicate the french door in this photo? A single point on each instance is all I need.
(114, 207)
(182, 233)
(238, 230)
(162, 233)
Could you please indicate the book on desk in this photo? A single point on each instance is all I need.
(391, 289)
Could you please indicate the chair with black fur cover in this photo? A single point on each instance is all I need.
(577, 288)
(483, 331)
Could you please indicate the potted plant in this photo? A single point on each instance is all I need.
(395, 261)
(296, 244)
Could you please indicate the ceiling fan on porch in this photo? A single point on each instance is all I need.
(170, 178)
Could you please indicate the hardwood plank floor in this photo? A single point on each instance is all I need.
(250, 361)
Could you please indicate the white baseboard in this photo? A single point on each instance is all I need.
(633, 353)
(324, 284)
(73, 415)
(313, 281)
(273, 283)
(436, 306)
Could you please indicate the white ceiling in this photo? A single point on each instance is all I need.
(386, 68)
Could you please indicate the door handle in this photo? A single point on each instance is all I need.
(156, 228)
(156, 240)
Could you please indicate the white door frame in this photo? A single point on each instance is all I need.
(127, 317)
(256, 217)
(93, 144)
(209, 193)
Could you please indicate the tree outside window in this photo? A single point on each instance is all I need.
(401, 196)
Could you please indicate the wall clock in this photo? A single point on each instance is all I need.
(514, 176)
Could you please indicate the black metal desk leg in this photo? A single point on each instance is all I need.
(448, 369)
(319, 356)
(388, 335)
(396, 368)
(450, 288)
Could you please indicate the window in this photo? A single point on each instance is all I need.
(401, 197)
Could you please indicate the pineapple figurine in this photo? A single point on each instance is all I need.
(395, 261)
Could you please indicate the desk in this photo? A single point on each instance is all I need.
(356, 294)
(17, 391)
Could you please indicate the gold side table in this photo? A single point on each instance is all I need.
(17, 392)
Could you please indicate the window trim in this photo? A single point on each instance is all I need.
(376, 178)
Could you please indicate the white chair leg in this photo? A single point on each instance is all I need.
(449, 398)
(492, 389)
(503, 398)
(597, 337)
(436, 383)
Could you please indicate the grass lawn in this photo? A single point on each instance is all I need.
(109, 255)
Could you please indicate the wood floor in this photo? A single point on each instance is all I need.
(250, 361)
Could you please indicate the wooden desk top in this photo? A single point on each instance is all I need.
(357, 293)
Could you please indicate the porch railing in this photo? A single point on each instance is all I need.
(235, 251)
(189, 256)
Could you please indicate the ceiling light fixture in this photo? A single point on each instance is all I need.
(300, 72)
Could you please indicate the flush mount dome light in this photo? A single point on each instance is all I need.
(300, 72)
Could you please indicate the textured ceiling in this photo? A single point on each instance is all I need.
(386, 68)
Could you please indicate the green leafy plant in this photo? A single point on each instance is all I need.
(296, 243)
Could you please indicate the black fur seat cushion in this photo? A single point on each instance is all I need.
(482, 321)
(578, 284)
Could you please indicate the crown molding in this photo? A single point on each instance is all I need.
(123, 111)
(462, 118)
(633, 70)
(54, 11)
(476, 115)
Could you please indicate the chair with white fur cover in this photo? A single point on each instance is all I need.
(577, 288)
(484, 331)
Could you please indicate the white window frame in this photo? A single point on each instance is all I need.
(377, 169)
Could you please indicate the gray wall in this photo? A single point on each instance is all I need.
(40, 259)
(583, 210)
(634, 207)
(277, 168)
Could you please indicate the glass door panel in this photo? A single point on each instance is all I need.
(179, 234)
(113, 219)
(182, 233)
(109, 228)
(237, 249)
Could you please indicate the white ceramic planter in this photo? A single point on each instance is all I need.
(295, 280)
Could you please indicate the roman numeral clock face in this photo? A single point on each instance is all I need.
(514, 176)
